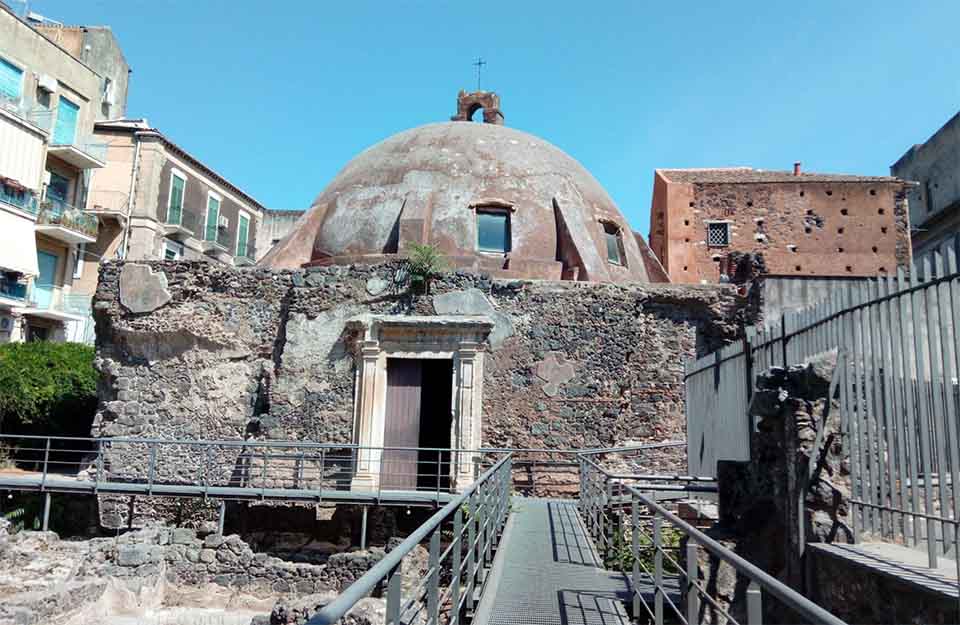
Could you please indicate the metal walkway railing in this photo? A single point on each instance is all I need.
(471, 523)
(622, 513)
(231, 470)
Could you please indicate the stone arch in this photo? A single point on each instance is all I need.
(469, 103)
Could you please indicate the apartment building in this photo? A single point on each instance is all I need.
(155, 200)
(49, 101)
(935, 200)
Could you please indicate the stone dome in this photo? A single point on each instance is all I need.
(435, 183)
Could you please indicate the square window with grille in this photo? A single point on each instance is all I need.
(718, 234)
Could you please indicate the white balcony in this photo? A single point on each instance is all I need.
(81, 155)
(109, 205)
(51, 302)
(181, 225)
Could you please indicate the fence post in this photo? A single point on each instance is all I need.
(46, 463)
(608, 525)
(456, 560)
(151, 467)
(693, 598)
(394, 589)
(96, 486)
(658, 569)
(433, 585)
(46, 511)
(754, 604)
(471, 552)
(635, 549)
(363, 528)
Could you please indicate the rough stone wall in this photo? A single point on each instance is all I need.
(759, 499)
(856, 594)
(44, 579)
(221, 353)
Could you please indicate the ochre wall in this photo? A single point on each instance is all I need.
(837, 228)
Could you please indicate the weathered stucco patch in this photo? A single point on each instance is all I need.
(142, 290)
(554, 371)
(473, 302)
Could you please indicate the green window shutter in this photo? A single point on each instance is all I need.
(243, 228)
(213, 218)
(175, 209)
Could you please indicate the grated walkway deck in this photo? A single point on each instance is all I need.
(547, 572)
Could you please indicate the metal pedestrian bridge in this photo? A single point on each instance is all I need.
(616, 551)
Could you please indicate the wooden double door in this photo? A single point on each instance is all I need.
(418, 414)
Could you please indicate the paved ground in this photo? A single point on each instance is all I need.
(547, 573)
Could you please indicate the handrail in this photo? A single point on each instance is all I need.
(642, 476)
(788, 596)
(604, 498)
(365, 585)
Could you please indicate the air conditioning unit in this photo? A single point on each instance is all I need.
(224, 222)
(46, 82)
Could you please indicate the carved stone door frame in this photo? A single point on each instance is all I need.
(457, 338)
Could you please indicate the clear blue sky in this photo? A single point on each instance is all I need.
(278, 96)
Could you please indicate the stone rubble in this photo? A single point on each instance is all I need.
(43, 578)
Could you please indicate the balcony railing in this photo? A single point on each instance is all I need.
(53, 299)
(10, 289)
(41, 118)
(246, 252)
(182, 224)
(104, 201)
(220, 236)
(57, 213)
(26, 201)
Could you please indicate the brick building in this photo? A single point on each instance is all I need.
(802, 224)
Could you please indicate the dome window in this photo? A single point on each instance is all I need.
(612, 236)
(493, 229)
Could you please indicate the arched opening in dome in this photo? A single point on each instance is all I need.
(476, 113)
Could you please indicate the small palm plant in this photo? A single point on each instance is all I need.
(424, 263)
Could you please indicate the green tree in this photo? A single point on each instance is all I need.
(48, 388)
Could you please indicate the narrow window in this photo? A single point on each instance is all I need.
(611, 233)
(493, 231)
(243, 232)
(175, 201)
(213, 218)
(11, 81)
(718, 234)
